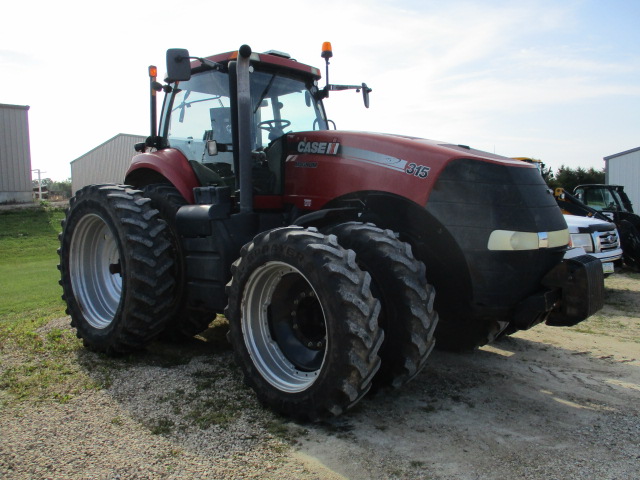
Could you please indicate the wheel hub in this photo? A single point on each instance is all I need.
(284, 326)
(306, 323)
(96, 270)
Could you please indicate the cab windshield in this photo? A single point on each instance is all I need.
(281, 105)
(200, 110)
(601, 198)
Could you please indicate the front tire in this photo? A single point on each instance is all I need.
(399, 282)
(116, 268)
(303, 323)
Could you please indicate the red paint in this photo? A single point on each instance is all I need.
(395, 164)
(172, 165)
(264, 58)
(368, 162)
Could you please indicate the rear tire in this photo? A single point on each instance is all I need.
(185, 322)
(630, 242)
(399, 282)
(303, 323)
(116, 268)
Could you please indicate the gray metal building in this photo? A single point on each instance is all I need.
(624, 169)
(15, 155)
(107, 163)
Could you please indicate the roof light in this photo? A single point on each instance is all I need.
(327, 51)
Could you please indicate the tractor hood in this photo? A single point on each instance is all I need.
(323, 165)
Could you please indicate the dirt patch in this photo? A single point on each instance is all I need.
(549, 403)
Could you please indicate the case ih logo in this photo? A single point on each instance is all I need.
(322, 148)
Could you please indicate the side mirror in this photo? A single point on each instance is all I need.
(178, 65)
(365, 94)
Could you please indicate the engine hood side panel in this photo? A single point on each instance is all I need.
(324, 165)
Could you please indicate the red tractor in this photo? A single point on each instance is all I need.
(315, 243)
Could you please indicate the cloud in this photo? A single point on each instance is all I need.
(10, 59)
(447, 70)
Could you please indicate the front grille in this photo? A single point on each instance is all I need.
(607, 240)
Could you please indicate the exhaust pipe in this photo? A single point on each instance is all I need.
(244, 129)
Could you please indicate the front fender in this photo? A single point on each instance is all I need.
(329, 216)
(168, 163)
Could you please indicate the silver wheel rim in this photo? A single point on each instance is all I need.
(273, 353)
(94, 264)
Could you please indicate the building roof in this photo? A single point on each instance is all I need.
(622, 153)
(18, 107)
(108, 141)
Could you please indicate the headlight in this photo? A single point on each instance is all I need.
(509, 240)
(582, 240)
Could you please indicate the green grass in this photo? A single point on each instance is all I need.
(42, 360)
(40, 363)
(28, 266)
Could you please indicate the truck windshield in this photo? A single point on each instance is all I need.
(200, 110)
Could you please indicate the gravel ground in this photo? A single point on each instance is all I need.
(548, 403)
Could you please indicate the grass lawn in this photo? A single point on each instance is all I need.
(36, 363)
(28, 266)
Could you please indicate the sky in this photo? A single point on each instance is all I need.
(553, 80)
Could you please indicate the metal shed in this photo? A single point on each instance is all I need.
(624, 169)
(107, 163)
(15, 155)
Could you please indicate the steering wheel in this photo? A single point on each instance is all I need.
(271, 125)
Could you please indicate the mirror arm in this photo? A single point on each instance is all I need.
(336, 88)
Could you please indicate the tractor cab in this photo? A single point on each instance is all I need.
(199, 116)
(605, 198)
(225, 120)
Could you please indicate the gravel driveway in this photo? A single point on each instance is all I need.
(548, 403)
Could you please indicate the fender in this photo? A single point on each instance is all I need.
(170, 164)
(328, 216)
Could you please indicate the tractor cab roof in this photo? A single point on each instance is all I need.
(272, 58)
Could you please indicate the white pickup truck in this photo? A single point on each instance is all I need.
(597, 238)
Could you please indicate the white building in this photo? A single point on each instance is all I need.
(15, 155)
(624, 169)
(107, 163)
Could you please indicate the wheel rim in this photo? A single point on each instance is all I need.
(94, 264)
(284, 327)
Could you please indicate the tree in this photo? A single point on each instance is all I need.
(569, 178)
(62, 188)
(45, 182)
(547, 173)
